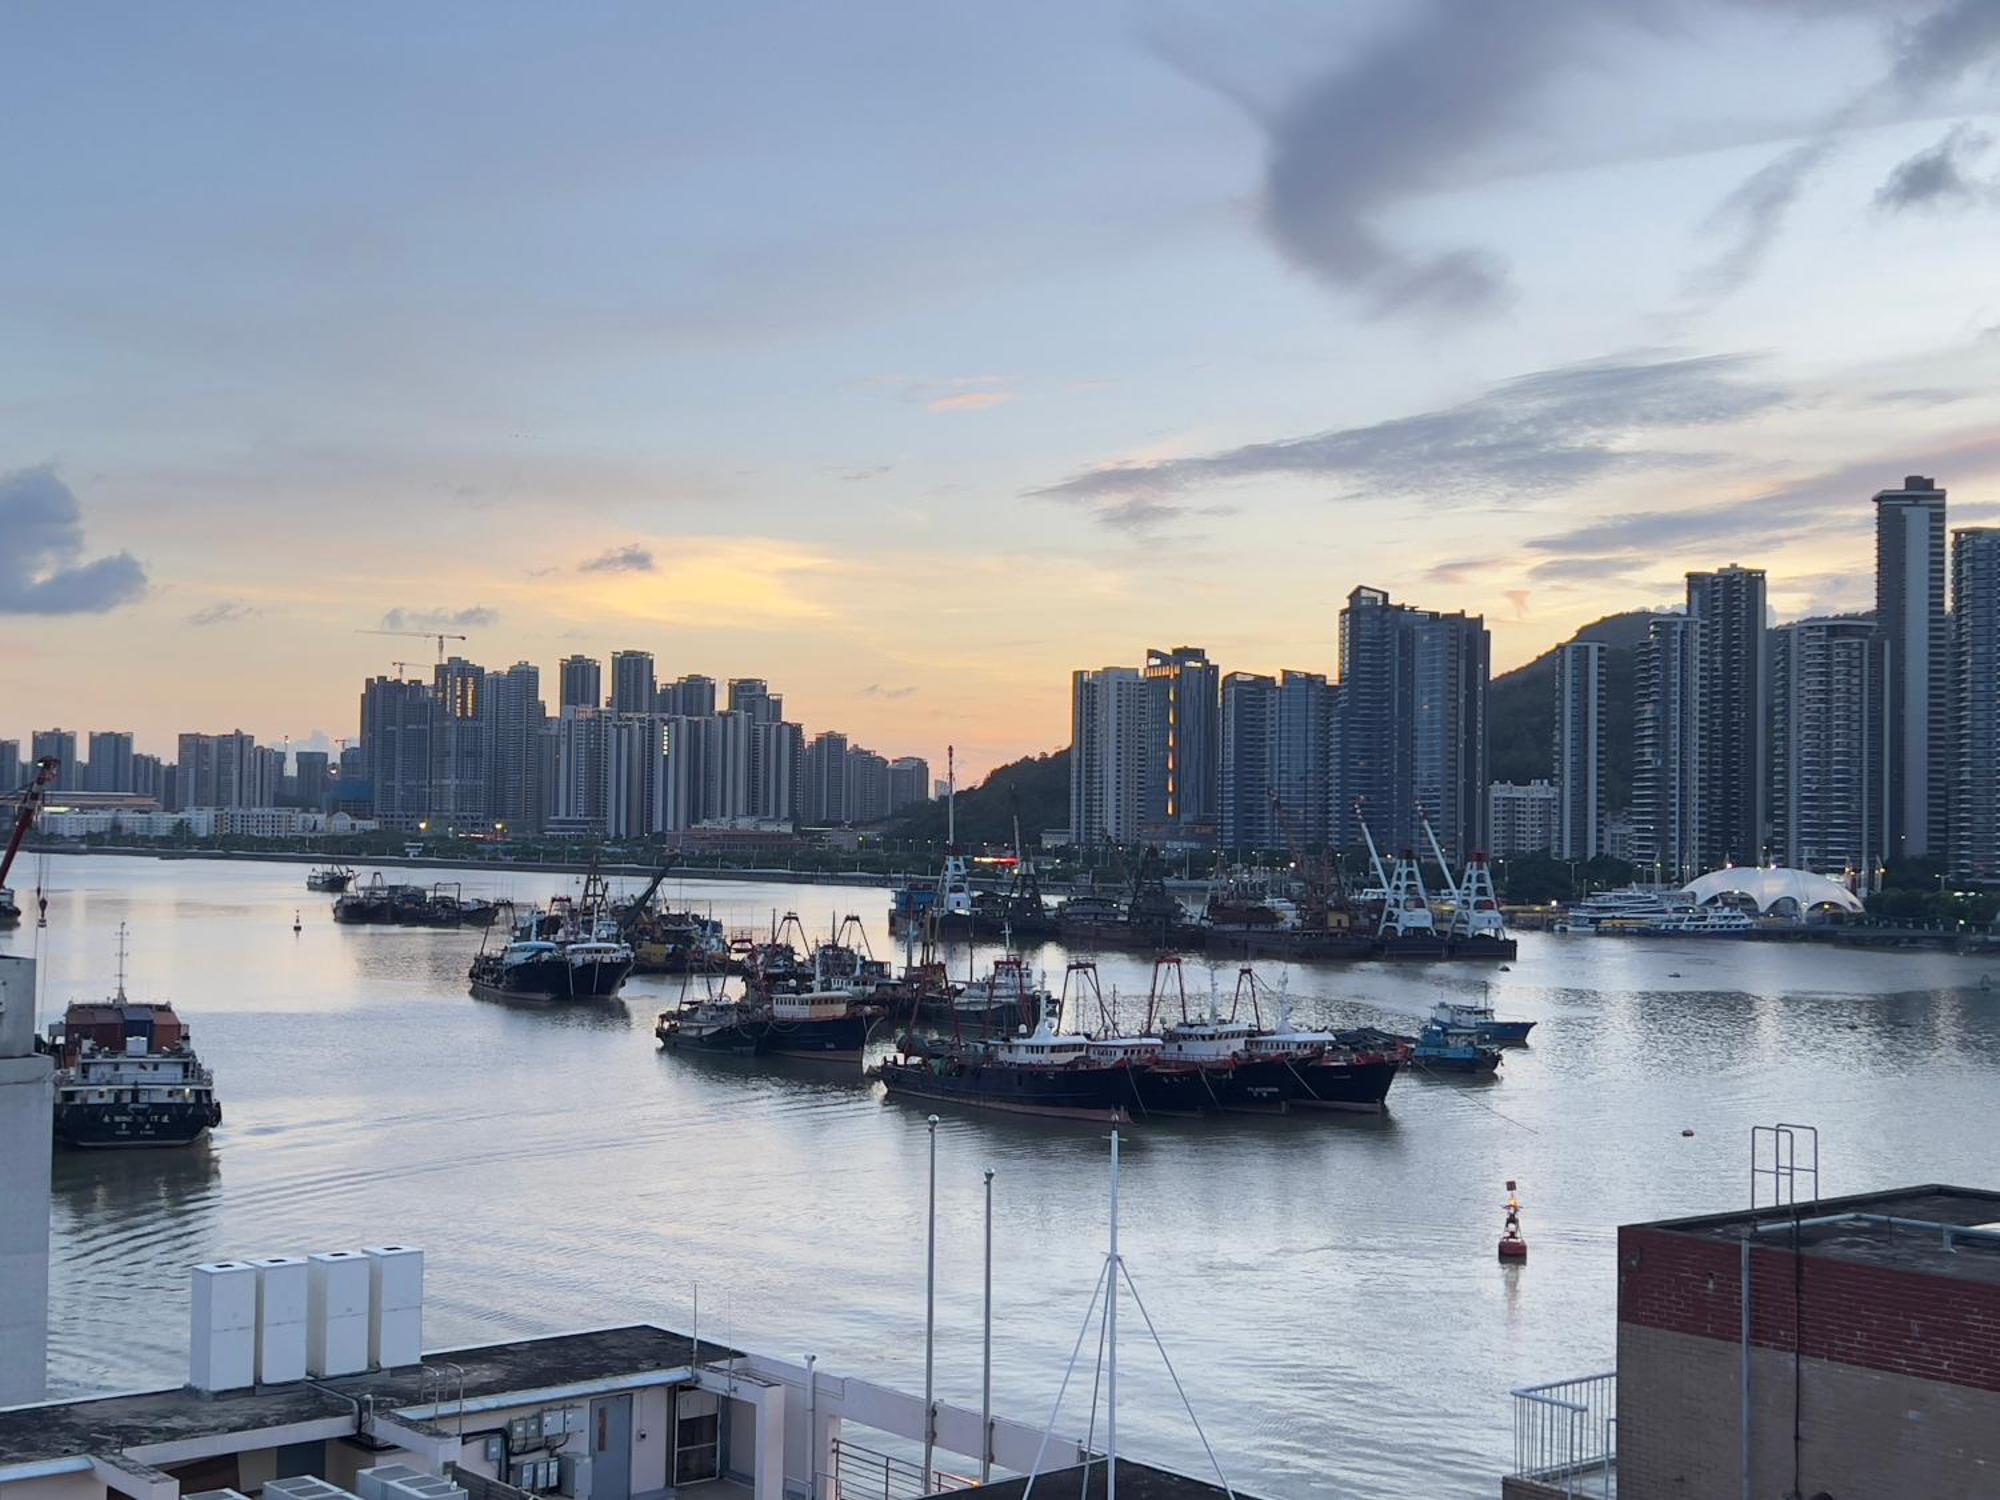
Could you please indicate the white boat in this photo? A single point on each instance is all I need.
(1632, 907)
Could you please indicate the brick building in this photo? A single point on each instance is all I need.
(1873, 1335)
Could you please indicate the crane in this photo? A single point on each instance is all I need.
(31, 798)
(440, 636)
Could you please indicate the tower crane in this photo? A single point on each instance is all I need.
(31, 798)
(440, 636)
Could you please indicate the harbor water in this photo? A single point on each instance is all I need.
(1326, 1285)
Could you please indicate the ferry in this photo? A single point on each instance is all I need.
(127, 1074)
(1635, 907)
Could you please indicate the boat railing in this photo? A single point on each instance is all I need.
(862, 1473)
(1565, 1438)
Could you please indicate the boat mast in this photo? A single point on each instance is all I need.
(121, 963)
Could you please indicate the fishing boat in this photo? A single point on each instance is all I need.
(1450, 1049)
(331, 879)
(713, 1023)
(830, 1024)
(573, 951)
(1038, 1072)
(1477, 1018)
(127, 1074)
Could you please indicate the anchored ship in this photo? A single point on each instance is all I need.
(572, 951)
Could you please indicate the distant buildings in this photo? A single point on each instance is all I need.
(1731, 692)
(1827, 745)
(1110, 740)
(1524, 818)
(1975, 704)
(1578, 753)
(1249, 775)
(109, 768)
(632, 689)
(1910, 609)
(1183, 750)
(1666, 808)
(580, 681)
(61, 744)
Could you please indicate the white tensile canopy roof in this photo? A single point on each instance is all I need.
(1774, 888)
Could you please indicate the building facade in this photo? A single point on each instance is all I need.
(1578, 755)
(1109, 718)
(517, 717)
(396, 726)
(1183, 750)
(1732, 756)
(1975, 706)
(1523, 817)
(1666, 812)
(1917, 651)
(1249, 775)
(59, 744)
(632, 690)
(581, 683)
(109, 768)
(1827, 747)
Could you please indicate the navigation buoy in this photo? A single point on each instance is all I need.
(297, 925)
(1687, 1132)
(1512, 1246)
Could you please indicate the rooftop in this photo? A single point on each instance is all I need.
(108, 1424)
(1909, 1229)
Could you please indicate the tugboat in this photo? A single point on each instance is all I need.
(572, 951)
(333, 879)
(1458, 1015)
(127, 1074)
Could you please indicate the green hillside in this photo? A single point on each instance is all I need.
(1521, 709)
(1038, 786)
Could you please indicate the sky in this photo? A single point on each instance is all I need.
(912, 355)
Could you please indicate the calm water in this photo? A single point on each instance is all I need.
(1326, 1286)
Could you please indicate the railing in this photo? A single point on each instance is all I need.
(1565, 1435)
(861, 1473)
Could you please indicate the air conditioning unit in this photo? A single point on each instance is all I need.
(337, 1312)
(304, 1487)
(422, 1487)
(395, 1306)
(222, 1342)
(368, 1484)
(281, 1318)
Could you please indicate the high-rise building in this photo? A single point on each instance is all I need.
(11, 776)
(867, 786)
(1411, 723)
(1666, 751)
(582, 683)
(632, 689)
(515, 717)
(580, 777)
(148, 776)
(461, 749)
(110, 763)
(61, 744)
(1910, 609)
(778, 747)
(1249, 776)
(1109, 713)
(227, 770)
(1183, 753)
(690, 697)
(753, 696)
(909, 781)
(1827, 747)
(396, 726)
(1578, 758)
(1523, 817)
(309, 778)
(823, 798)
(1975, 717)
(634, 771)
(1302, 760)
(1732, 776)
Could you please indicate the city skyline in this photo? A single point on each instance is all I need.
(1155, 364)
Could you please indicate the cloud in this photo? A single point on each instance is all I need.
(876, 690)
(222, 612)
(1928, 57)
(41, 547)
(1539, 434)
(428, 620)
(630, 558)
(1936, 177)
(971, 401)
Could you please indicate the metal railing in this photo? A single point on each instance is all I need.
(861, 1473)
(1565, 1435)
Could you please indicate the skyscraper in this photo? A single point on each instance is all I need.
(1184, 725)
(1666, 809)
(396, 724)
(1579, 751)
(516, 715)
(1732, 772)
(634, 760)
(309, 778)
(581, 775)
(867, 786)
(753, 696)
(582, 683)
(1302, 760)
(632, 690)
(824, 798)
(1827, 746)
(1410, 728)
(1109, 713)
(1910, 609)
(909, 781)
(61, 744)
(1975, 717)
(691, 697)
(461, 748)
(10, 766)
(1249, 762)
(110, 766)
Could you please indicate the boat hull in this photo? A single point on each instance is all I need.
(1070, 1094)
(112, 1126)
(553, 979)
(1486, 1061)
(842, 1039)
(727, 1040)
(1184, 1092)
(1505, 1033)
(1259, 1086)
(1331, 1083)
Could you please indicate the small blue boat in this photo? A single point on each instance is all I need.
(1453, 1049)
(1478, 1019)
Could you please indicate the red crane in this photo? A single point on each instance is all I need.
(31, 798)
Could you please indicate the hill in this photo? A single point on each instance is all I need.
(1038, 785)
(1521, 709)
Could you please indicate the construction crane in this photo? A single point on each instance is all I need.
(31, 798)
(440, 636)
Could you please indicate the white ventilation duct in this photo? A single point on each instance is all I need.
(337, 1299)
(222, 1347)
(395, 1306)
(281, 1318)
